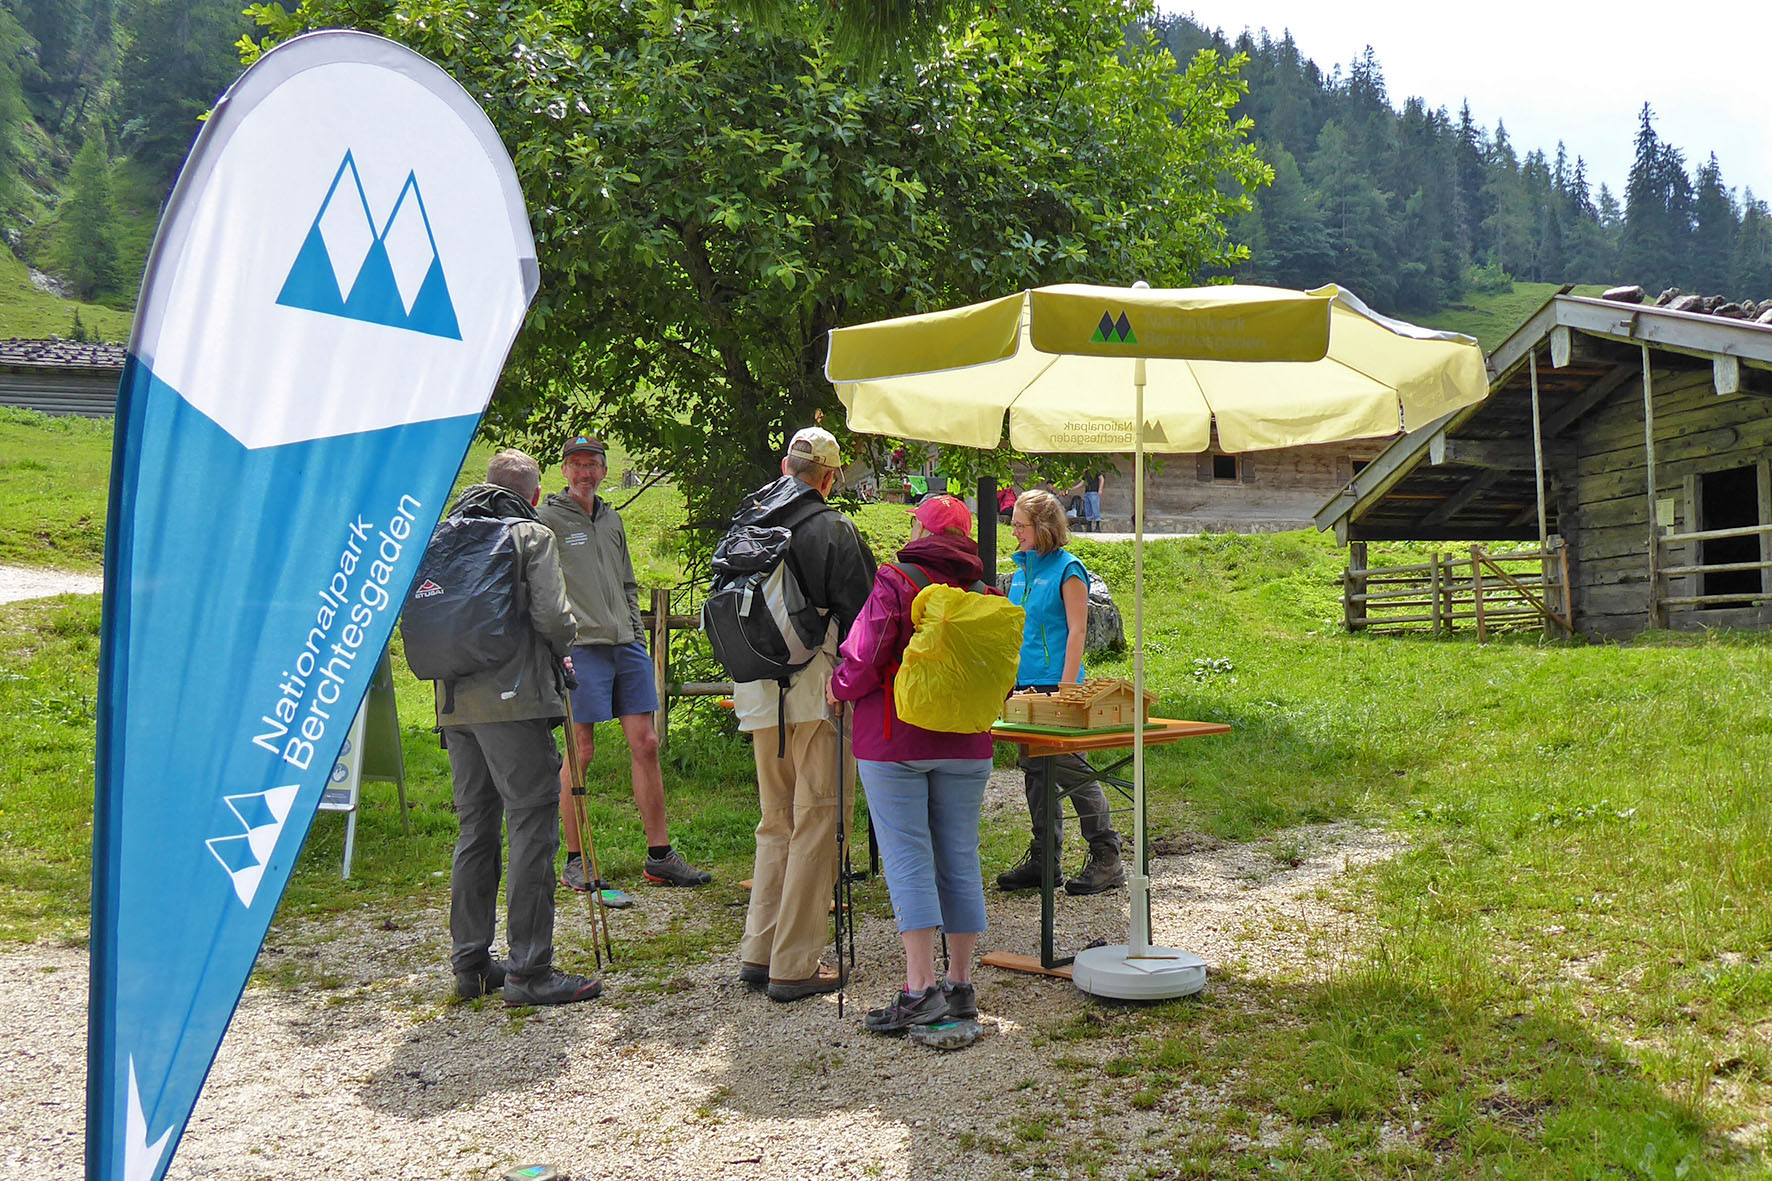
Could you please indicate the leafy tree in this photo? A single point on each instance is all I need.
(85, 252)
(710, 199)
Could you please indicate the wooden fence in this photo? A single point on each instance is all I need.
(1674, 541)
(659, 623)
(1485, 591)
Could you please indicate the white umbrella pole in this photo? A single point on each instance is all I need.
(1139, 941)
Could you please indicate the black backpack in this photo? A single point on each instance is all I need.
(463, 614)
(757, 617)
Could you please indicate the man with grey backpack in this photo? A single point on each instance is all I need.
(487, 620)
(790, 577)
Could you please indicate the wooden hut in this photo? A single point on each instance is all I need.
(60, 376)
(1637, 437)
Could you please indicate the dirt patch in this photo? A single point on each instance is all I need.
(360, 1068)
(33, 582)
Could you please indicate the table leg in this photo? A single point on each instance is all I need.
(1048, 864)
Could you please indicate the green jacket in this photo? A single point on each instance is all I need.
(600, 581)
(529, 684)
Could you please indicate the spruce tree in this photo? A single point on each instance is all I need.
(85, 250)
(1714, 226)
(1750, 275)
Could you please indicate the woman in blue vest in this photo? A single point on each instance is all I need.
(1052, 586)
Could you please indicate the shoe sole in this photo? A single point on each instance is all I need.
(657, 881)
(575, 889)
(796, 992)
(589, 994)
(921, 1019)
(1080, 892)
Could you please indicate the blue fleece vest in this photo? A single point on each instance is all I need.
(1037, 588)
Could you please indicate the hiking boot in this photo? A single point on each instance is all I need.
(962, 1001)
(754, 976)
(1026, 873)
(824, 979)
(672, 870)
(574, 875)
(1103, 871)
(479, 982)
(906, 1011)
(553, 988)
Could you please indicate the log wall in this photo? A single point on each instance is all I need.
(1281, 488)
(1696, 432)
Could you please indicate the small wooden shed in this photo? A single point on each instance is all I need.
(61, 376)
(1639, 437)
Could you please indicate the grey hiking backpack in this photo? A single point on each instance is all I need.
(757, 617)
(463, 614)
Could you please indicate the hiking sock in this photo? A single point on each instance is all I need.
(658, 852)
(571, 857)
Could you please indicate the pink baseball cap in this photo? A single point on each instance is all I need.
(941, 513)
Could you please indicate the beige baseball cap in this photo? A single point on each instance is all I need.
(818, 445)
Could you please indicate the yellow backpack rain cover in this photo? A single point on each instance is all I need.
(960, 664)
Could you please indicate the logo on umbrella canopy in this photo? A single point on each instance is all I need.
(1114, 331)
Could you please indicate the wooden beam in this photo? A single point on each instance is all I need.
(1456, 502)
(1511, 455)
(1596, 393)
(1726, 375)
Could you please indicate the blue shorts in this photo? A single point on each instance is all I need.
(614, 681)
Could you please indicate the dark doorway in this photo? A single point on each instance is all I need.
(1730, 500)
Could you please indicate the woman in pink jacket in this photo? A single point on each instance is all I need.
(925, 788)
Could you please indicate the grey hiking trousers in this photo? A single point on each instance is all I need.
(509, 772)
(1077, 783)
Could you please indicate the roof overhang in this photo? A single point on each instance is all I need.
(1472, 474)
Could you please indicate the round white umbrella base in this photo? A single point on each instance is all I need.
(1161, 973)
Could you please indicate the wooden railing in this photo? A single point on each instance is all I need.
(1669, 541)
(659, 624)
(1488, 591)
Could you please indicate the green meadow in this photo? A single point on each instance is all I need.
(1564, 971)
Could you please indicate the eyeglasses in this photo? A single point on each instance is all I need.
(1015, 524)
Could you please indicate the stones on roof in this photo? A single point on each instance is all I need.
(56, 353)
(1675, 300)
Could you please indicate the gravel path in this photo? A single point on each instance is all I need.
(362, 1070)
(36, 582)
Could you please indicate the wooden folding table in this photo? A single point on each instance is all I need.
(1051, 742)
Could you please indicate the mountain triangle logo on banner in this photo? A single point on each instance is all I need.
(392, 276)
(1112, 331)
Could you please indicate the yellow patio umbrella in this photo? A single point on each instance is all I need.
(1075, 367)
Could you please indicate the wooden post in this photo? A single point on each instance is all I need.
(1477, 590)
(661, 659)
(1433, 582)
(1563, 572)
(1538, 467)
(1765, 491)
(1353, 611)
(1655, 615)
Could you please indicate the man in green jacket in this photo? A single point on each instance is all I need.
(613, 668)
(498, 726)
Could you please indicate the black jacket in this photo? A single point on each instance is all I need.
(834, 565)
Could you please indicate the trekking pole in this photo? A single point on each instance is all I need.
(583, 820)
(840, 893)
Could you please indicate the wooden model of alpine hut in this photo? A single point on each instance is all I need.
(1097, 704)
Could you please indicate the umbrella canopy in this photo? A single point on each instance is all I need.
(1076, 367)
(1272, 368)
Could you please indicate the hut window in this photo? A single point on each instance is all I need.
(1729, 499)
(1361, 465)
(1224, 467)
